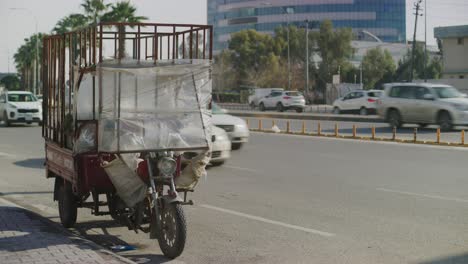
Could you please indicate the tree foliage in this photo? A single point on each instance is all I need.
(433, 66)
(378, 67)
(11, 82)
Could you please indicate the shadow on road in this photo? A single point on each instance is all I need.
(108, 240)
(457, 259)
(31, 163)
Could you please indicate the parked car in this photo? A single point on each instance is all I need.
(423, 104)
(360, 101)
(259, 93)
(235, 127)
(282, 101)
(20, 107)
(221, 148)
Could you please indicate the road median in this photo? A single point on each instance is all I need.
(308, 116)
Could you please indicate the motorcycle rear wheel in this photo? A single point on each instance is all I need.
(173, 230)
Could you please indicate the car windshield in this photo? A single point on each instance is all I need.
(216, 109)
(293, 94)
(447, 92)
(21, 98)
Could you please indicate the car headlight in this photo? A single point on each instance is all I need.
(12, 106)
(221, 137)
(167, 166)
(461, 107)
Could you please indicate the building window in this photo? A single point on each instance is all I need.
(460, 41)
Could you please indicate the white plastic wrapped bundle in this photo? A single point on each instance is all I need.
(162, 106)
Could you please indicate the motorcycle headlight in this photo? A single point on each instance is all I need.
(167, 166)
(12, 106)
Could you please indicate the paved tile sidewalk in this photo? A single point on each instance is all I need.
(26, 237)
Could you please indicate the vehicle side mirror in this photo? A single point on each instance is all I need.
(429, 97)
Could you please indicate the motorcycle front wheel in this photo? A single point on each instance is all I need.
(173, 230)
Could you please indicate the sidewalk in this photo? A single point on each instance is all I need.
(26, 237)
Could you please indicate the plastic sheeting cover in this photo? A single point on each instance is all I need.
(147, 106)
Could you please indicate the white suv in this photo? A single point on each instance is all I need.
(423, 104)
(283, 100)
(20, 107)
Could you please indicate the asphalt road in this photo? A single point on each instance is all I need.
(363, 129)
(290, 199)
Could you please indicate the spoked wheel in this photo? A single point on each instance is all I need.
(445, 121)
(279, 107)
(173, 230)
(68, 206)
(363, 111)
(261, 107)
(394, 118)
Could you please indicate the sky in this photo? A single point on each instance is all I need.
(20, 23)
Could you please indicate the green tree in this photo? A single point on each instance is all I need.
(70, 23)
(378, 67)
(433, 66)
(122, 12)
(25, 60)
(335, 50)
(94, 9)
(251, 52)
(11, 82)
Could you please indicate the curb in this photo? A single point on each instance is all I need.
(78, 239)
(302, 116)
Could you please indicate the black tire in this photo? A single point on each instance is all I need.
(5, 119)
(363, 111)
(299, 110)
(422, 125)
(39, 123)
(444, 120)
(394, 118)
(336, 110)
(279, 107)
(236, 146)
(173, 231)
(261, 107)
(252, 105)
(217, 163)
(68, 206)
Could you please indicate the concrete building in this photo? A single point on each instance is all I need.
(385, 19)
(454, 51)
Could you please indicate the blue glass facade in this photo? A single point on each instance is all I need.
(385, 19)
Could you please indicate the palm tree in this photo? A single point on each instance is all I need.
(25, 59)
(94, 9)
(70, 23)
(122, 12)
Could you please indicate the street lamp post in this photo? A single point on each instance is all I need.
(285, 10)
(307, 57)
(36, 64)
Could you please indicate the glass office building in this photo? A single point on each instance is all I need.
(385, 19)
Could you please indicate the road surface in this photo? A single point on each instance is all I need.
(290, 199)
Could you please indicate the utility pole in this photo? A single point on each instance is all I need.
(425, 41)
(417, 7)
(289, 56)
(307, 57)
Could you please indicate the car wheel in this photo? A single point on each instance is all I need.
(363, 111)
(236, 146)
(336, 111)
(5, 119)
(39, 123)
(217, 163)
(422, 125)
(394, 118)
(252, 105)
(444, 120)
(261, 107)
(299, 110)
(279, 107)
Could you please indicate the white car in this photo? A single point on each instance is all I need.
(259, 93)
(283, 100)
(359, 101)
(20, 107)
(221, 148)
(235, 127)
